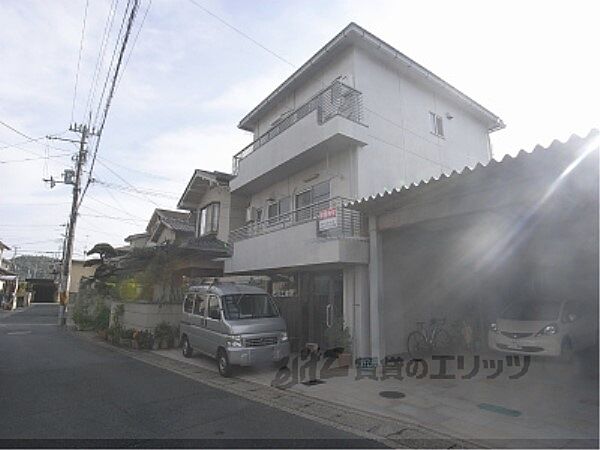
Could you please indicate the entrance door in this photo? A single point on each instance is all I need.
(327, 304)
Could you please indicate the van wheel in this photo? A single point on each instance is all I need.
(187, 349)
(223, 364)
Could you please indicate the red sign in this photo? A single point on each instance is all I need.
(327, 219)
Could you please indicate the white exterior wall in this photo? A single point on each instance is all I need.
(339, 168)
(401, 148)
(322, 77)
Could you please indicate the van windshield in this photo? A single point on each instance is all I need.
(532, 310)
(248, 306)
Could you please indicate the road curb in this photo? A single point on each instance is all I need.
(388, 431)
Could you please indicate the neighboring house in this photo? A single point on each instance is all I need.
(8, 279)
(138, 240)
(169, 227)
(178, 246)
(208, 199)
(78, 271)
(3, 247)
(358, 118)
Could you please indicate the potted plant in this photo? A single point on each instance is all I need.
(339, 342)
(127, 337)
(163, 335)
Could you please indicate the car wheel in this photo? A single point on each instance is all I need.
(186, 348)
(223, 364)
(566, 351)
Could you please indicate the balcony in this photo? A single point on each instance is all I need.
(321, 233)
(337, 112)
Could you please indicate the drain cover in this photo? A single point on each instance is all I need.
(312, 382)
(392, 394)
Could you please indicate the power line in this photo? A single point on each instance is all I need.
(112, 61)
(237, 30)
(102, 214)
(31, 139)
(122, 166)
(135, 40)
(102, 51)
(111, 206)
(15, 130)
(18, 144)
(87, 4)
(111, 93)
(30, 159)
(120, 219)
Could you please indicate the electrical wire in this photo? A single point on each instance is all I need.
(135, 39)
(109, 98)
(87, 4)
(115, 51)
(101, 53)
(237, 30)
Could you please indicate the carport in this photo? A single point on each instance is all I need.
(467, 243)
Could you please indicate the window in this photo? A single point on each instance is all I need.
(199, 305)
(437, 125)
(208, 218)
(303, 199)
(213, 308)
(248, 306)
(320, 193)
(188, 303)
(285, 205)
(272, 212)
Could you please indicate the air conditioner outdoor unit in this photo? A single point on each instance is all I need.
(250, 214)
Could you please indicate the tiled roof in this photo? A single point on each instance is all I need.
(209, 244)
(176, 220)
(562, 154)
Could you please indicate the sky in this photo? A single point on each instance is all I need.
(190, 78)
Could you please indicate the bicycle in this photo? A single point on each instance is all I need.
(425, 340)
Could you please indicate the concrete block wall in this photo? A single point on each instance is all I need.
(146, 315)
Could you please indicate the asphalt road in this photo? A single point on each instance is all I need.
(56, 386)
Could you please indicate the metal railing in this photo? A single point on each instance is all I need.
(337, 99)
(331, 217)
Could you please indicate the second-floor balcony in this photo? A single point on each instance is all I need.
(330, 121)
(330, 217)
(325, 232)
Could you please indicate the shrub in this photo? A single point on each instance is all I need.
(101, 318)
(166, 333)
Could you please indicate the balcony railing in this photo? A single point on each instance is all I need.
(332, 220)
(337, 99)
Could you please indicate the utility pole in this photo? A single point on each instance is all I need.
(74, 178)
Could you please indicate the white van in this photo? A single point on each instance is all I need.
(237, 324)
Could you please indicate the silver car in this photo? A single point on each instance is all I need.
(235, 323)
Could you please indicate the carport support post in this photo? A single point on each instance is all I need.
(375, 290)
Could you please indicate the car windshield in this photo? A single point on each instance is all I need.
(532, 310)
(248, 306)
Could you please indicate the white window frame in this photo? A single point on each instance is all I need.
(436, 123)
(208, 219)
